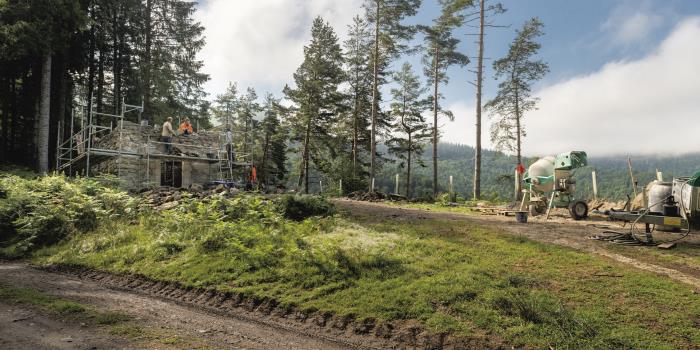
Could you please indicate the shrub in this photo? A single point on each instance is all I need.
(299, 208)
(43, 211)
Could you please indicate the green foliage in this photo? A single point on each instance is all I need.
(514, 96)
(273, 166)
(358, 67)
(299, 208)
(318, 100)
(411, 129)
(454, 278)
(35, 213)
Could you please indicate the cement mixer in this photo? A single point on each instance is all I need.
(549, 184)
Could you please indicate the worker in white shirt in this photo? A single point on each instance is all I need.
(167, 135)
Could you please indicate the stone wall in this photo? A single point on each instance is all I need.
(143, 140)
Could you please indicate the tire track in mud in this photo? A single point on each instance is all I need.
(259, 324)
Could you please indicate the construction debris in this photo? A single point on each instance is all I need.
(375, 196)
(164, 198)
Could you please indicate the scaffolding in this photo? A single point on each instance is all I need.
(82, 150)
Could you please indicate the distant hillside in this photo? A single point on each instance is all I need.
(458, 161)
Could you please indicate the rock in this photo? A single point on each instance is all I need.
(168, 206)
(196, 188)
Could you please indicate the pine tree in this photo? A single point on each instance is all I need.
(273, 143)
(358, 50)
(245, 123)
(390, 36)
(317, 98)
(519, 70)
(407, 109)
(440, 52)
(225, 106)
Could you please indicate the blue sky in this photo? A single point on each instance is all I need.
(619, 69)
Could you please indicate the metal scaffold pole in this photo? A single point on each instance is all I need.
(89, 141)
(70, 149)
(121, 129)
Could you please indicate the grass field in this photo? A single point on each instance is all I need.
(451, 276)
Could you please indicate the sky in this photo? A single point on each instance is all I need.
(624, 75)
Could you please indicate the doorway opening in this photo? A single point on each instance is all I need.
(171, 174)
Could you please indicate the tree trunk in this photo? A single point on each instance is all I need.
(100, 86)
(91, 61)
(435, 123)
(116, 63)
(479, 83)
(408, 167)
(12, 142)
(307, 138)
(44, 116)
(60, 112)
(263, 173)
(519, 187)
(354, 136)
(375, 97)
(146, 83)
(6, 115)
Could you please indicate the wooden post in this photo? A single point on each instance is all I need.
(396, 188)
(452, 192)
(372, 185)
(595, 184)
(340, 187)
(320, 184)
(634, 181)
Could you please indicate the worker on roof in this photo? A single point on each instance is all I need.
(229, 145)
(186, 127)
(167, 135)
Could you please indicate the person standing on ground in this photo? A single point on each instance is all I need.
(186, 127)
(167, 135)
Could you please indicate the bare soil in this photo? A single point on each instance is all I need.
(225, 321)
(34, 331)
(23, 327)
(559, 229)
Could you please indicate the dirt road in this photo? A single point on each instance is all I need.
(21, 328)
(558, 230)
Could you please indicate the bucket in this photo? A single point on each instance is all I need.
(521, 216)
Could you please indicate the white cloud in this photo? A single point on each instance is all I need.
(632, 23)
(259, 43)
(464, 126)
(650, 105)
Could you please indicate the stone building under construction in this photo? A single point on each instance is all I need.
(134, 153)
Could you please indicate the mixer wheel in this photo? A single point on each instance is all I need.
(578, 210)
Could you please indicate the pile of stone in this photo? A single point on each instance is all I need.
(375, 196)
(165, 198)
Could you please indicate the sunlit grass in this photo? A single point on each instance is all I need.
(453, 277)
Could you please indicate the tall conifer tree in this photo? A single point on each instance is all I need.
(390, 37)
(317, 98)
(440, 52)
(411, 131)
(519, 69)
